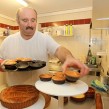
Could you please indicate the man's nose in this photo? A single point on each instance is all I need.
(29, 23)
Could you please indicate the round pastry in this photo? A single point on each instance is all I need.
(47, 99)
(72, 76)
(18, 59)
(90, 93)
(78, 98)
(45, 77)
(59, 74)
(22, 65)
(19, 96)
(10, 64)
(34, 64)
(23, 59)
(58, 79)
(26, 59)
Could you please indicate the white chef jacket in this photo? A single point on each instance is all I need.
(36, 48)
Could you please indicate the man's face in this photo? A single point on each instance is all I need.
(27, 22)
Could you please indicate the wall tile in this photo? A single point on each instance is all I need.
(87, 21)
(11, 27)
(62, 23)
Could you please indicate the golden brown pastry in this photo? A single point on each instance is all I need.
(78, 98)
(72, 76)
(10, 64)
(45, 77)
(19, 96)
(58, 79)
(23, 59)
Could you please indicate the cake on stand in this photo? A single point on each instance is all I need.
(68, 89)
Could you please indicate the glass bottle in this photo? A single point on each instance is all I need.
(89, 55)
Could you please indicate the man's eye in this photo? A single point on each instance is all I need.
(24, 20)
(33, 20)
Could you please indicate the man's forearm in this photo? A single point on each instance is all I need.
(62, 54)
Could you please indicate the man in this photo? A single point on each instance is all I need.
(33, 44)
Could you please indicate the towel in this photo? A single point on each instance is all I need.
(100, 86)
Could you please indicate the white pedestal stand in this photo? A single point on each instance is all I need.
(67, 89)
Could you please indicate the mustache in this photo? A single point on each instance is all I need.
(29, 28)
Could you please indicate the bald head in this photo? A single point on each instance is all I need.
(24, 9)
(27, 20)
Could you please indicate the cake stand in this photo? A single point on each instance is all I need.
(67, 89)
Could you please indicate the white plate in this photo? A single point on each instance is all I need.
(67, 89)
(38, 105)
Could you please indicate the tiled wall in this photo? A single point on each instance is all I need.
(5, 22)
(69, 22)
(78, 43)
(3, 25)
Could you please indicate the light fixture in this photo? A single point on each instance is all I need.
(23, 2)
(102, 19)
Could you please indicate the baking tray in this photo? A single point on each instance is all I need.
(32, 65)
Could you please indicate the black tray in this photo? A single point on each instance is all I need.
(32, 65)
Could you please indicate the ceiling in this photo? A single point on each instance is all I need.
(9, 7)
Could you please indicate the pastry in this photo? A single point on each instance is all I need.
(22, 65)
(59, 74)
(19, 96)
(23, 59)
(58, 79)
(72, 76)
(26, 59)
(45, 77)
(78, 98)
(90, 93)
(10, 64)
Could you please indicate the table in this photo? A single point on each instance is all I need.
(67, 89)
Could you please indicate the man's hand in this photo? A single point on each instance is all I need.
(66, 57)
(72, 62)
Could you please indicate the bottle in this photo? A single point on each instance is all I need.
(89, 55)
(93, 60)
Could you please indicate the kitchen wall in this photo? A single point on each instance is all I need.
(7, 22)
(82, 35)
(80, 39)
(66, 15)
